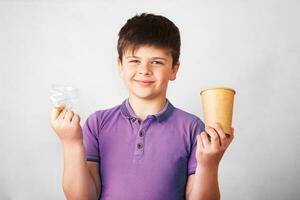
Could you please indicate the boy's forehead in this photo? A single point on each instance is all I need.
(147, 51)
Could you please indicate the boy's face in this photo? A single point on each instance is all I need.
(146, 73)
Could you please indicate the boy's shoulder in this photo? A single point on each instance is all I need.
(97, 119)
(186, 116)
(106, 112)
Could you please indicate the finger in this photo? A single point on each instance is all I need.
(60, 105)
(55, 112)
(222, 134)
(231, 136)
(205, 140)
(62, 114)
(214, 137)
(75, 119)
(69, 115)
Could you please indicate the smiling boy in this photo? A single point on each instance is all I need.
(145, 148)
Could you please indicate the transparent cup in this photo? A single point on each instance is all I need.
(62, 95)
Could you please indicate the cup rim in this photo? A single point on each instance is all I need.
(212, 88)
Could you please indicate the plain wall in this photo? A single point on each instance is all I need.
(252, 46)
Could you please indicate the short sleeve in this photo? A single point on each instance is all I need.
(90, 138)
(197, 127)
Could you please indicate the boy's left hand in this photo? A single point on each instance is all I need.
(211, 145)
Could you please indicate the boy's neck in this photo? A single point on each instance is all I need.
(144, 107)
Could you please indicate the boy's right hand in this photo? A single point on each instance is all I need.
(66, 124)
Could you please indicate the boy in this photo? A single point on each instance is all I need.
(145, 148)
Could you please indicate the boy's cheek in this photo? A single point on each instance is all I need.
(123, 74)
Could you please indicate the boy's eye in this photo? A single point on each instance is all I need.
(157, 62)
(134, 61)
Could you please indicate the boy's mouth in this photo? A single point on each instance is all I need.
(144, 82)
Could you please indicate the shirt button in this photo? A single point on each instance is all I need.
(141, 134)
(139, 146)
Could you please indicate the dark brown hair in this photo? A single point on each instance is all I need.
(149, 29)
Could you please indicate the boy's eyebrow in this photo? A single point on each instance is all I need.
(152, 57)
(132, 57)
(159, 58)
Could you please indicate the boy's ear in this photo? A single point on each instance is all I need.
(174, 71)
(119, 63)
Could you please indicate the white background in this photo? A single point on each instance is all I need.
(252, 46)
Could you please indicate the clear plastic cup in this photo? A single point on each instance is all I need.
(62, 95)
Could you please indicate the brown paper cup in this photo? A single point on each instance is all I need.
(217, 105)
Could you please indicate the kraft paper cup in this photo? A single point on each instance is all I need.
(217, 105)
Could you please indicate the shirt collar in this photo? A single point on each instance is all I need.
(161, 116)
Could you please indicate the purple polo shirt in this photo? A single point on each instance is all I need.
(149, 160)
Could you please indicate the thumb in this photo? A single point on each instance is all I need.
(55, 112)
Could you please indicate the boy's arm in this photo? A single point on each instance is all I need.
(94, 171)
(203, 185)
(78, 182)
(211, 145)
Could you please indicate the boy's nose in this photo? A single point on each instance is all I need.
(144, 69)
